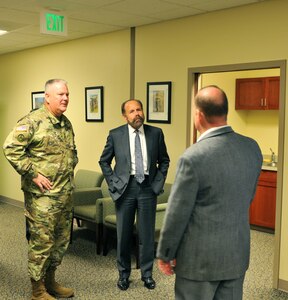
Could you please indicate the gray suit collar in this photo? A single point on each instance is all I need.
(218, 131)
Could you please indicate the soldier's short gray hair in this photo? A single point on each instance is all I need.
(52, 81)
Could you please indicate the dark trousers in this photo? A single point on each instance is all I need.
(138, 199)
(186, 289)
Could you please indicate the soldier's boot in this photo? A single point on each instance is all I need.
(54, 288)
(39, 292)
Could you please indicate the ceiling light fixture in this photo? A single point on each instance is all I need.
(3, 32)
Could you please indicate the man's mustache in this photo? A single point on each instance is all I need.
(138, 118)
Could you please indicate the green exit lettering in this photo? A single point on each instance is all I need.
(54, 23)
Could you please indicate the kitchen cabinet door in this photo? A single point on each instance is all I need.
(263, 207)
(257, 93)
(273, 92)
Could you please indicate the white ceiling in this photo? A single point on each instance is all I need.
(90, 17)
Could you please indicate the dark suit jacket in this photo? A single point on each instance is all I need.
(206, 225)
(118, 146)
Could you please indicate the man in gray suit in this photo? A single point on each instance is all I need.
(134, 185)
(205, 238)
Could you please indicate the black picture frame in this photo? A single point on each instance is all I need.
(37, 99)
(94, 100)
(159, 102)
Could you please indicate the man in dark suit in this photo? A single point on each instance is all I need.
(134, 185)
(205, 238)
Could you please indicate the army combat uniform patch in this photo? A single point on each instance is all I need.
(21, 133)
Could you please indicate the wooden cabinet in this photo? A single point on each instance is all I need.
(257, 93)
(263, 207)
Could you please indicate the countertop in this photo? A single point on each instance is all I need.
(266, 165)
(269, 168)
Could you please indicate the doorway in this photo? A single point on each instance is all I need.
(194, 83)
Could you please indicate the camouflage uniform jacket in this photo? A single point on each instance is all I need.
(42, 143)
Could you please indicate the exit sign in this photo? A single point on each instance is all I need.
(53, 23)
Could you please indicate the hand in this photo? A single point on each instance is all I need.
(165, 267)
(43, 183)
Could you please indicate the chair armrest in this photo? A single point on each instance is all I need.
(163, 198)
(160, 216)
(161, 207)
(108, 207)
(86, 196)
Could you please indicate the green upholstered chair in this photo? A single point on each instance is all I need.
(86, 179)
(89, 187)
(160, 209)
(109, 219)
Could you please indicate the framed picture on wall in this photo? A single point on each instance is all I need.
(159, 102)
(94, 97)
(37, 99)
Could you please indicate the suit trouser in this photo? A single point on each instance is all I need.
(186, 289)
(49, 224)
(138, 198)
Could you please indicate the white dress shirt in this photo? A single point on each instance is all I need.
(209, 130)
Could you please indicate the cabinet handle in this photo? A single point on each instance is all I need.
(265, 103)
(261, 101)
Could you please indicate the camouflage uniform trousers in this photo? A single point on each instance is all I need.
(49, 223)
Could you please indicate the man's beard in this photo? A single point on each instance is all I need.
(137, 122)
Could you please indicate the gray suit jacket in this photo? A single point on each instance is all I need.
(206, 225)
(118, 147)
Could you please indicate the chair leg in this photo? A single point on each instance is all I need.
(71, 231)
(99, 238)
(105, 241)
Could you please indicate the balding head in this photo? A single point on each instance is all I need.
(212, 102)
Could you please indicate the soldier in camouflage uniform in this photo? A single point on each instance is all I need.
(41, 148)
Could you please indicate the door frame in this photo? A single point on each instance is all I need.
(191, 136)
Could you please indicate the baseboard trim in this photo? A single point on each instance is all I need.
(263, 229)
(11, 201)
(283, 285)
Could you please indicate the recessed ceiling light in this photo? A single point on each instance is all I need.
(3, 32)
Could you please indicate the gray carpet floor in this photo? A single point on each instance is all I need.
(94, 276)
